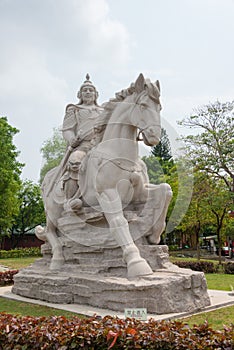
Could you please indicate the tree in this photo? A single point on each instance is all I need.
(212, 149)
(10, 170)
(209, 206)
(197, 215)
(155, 170)
(160, 163)
(219, 199)
(52, 151)
(31, 210)
(161, 168)
(163, 149)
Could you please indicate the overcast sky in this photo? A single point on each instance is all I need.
(48, 46)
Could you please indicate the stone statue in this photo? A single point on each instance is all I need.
(104, 218)
(113, 175)
(70, 184)
(78, 129)
(79, 120)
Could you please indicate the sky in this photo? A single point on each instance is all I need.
(48, 46)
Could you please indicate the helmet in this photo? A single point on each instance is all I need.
(87, 82)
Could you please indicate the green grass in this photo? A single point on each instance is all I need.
(18, 263)
(220, 281)
(27, 309)
(216, 319)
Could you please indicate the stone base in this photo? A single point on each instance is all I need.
(97, 279)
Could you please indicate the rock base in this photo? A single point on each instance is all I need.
(98, 278)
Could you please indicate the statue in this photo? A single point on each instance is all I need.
(104, 218)
(114, 175)
(70, 184)
(79, 120)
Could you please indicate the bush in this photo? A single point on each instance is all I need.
(20, 253)
(6, 277)
(204, 266)
(229, 268)
(108, 333)
(173, 247)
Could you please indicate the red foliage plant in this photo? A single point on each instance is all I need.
(6, 277)
(60, 333)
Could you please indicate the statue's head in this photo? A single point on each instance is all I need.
(87, 93)
(75, 160)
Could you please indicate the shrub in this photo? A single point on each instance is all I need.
(229, 268)
(173, 247)
(6, 277)
(204, 266)
(20, 253)
(108, 333)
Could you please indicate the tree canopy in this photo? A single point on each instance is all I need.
(211, 152)
(52, 151)
(31, 210)
(10, 170)
(163, 149)
(212, 149)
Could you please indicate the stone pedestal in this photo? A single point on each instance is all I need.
(97, 277)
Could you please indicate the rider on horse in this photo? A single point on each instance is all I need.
(79, 131)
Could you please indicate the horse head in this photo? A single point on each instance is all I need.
(145, 114)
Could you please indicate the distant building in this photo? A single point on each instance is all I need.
(16, 240)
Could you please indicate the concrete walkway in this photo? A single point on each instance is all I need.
(218, 299)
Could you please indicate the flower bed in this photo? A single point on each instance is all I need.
(108, 333)
(6, 277)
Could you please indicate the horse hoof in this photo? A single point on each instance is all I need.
(138, 268)
(136, 265)
(56, 264)
(76, 204)
(40, 232)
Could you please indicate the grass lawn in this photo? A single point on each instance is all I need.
(216, 319)
(27, 309)
(18, 263)
(220, 281)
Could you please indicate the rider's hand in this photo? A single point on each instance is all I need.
(75, 141)
(98, 128)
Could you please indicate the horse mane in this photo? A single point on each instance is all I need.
(109, 106)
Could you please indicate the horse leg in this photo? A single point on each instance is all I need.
(157, 199)
(163, 193)
(57, 259)
(49, 234)
(112, 207)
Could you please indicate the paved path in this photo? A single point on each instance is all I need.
(218, 299)
(3, 268)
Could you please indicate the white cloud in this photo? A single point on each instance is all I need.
(47, 47)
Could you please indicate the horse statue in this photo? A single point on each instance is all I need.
(112, 175)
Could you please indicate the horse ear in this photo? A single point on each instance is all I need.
(140, 83)
(158, 85)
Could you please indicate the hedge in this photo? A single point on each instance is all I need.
(204, 266)
(60, 333)
(229, 268)
(20, 253)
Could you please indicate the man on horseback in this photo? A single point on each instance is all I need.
(78, 127)
(78, 124)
